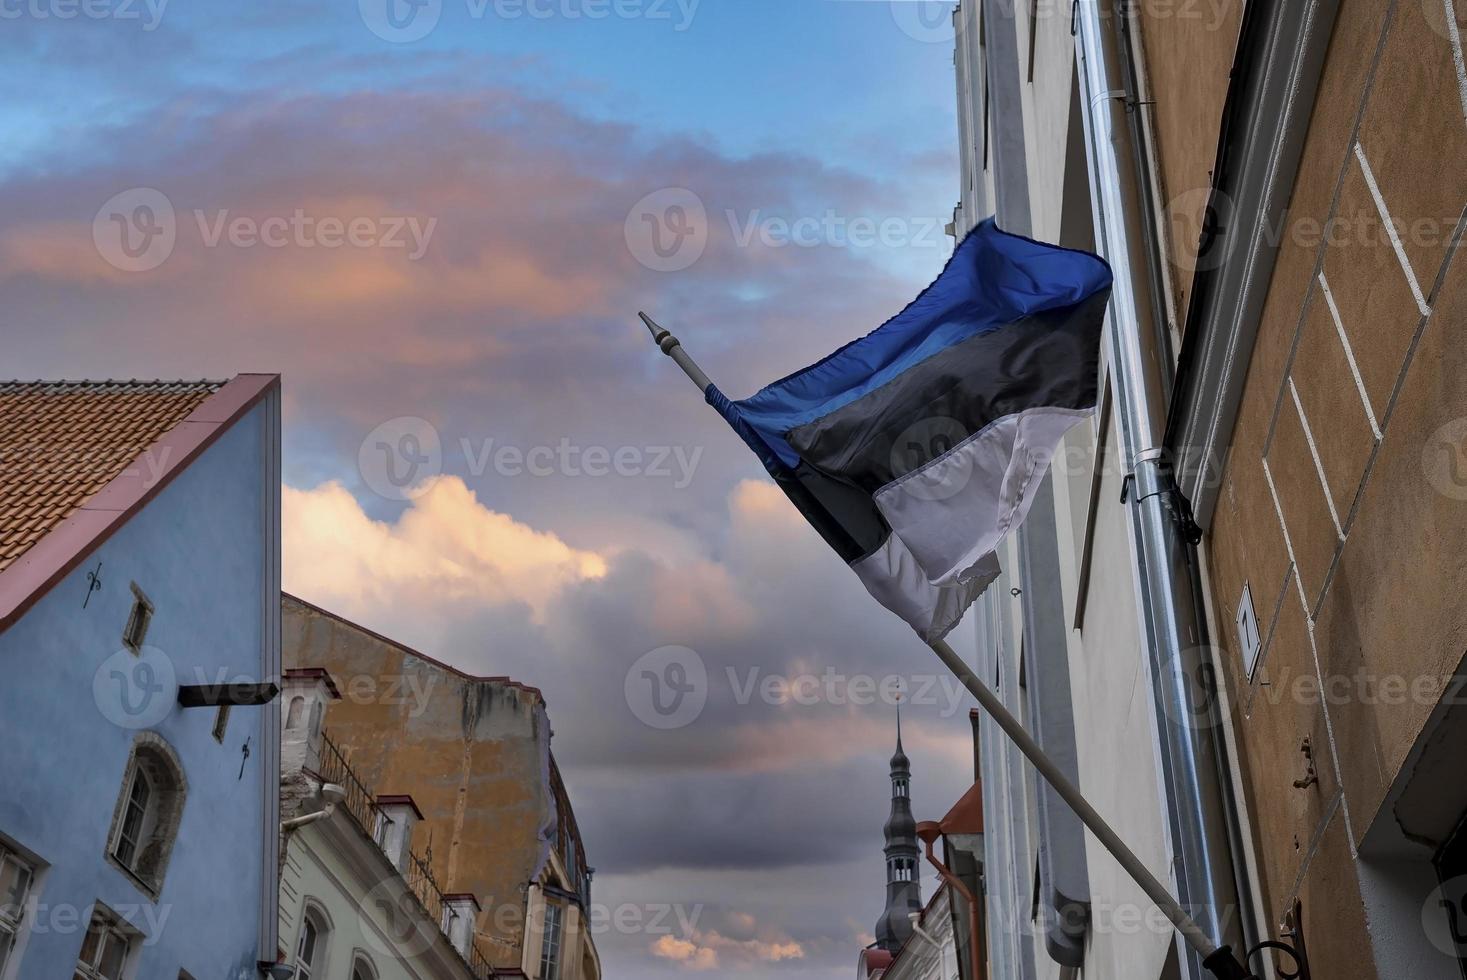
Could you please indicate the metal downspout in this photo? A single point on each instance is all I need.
(1172, 619)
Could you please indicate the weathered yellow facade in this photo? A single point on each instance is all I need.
(474, 754)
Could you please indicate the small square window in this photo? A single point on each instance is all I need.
(138, 622)
(221, 723)
(105, 950)
(16, 875)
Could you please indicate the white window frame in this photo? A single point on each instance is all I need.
(147, 819)
(12, 915)
(362, 966)
(552, 941)
(313, 916)
(221, 723)
(162, 818)
(114, 928)
(135, 633)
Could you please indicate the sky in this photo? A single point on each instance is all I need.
(437, 222)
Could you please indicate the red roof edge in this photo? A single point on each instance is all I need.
(64, 547)
(313, 673)
(966, 816)
(508, 681)
(391, 799)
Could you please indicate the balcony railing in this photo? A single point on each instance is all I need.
(361, 803)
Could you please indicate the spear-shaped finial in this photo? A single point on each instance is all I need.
(673, 348)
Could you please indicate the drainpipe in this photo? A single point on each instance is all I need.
(331, 794)
(929, 831)
(1193, 764)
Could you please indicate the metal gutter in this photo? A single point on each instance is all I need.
(1171, 618)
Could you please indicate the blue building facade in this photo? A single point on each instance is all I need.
(138, 837)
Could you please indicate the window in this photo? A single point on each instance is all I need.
(297, 712)
(901, 788)
(149, 810)
(134, 815)
(138, 621)
(382, 830)
(16, 875)
(362, 969)
(310, 949)
(550, 946)
(105, 949)
(221, 723)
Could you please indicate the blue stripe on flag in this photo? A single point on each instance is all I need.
(993, 279)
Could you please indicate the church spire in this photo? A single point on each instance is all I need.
(903, 888)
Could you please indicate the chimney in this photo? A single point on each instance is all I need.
(459, 914)
(396, 818)
(305, 694)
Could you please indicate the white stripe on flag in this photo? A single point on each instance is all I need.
(953, 513)
(892, 576)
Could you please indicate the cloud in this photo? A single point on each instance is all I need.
(444, 546)
(707, 950)
(517, 324)
(691, 955)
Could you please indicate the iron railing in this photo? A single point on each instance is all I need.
(361, 803)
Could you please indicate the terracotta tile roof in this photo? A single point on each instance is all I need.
(62, 441)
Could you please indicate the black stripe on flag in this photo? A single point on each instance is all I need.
(1046, 360)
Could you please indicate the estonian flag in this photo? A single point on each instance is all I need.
(913, 450)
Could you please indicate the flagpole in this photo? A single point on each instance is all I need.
(1218, 959)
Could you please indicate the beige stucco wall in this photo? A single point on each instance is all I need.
(1352, 545)
(469, 751)
(1189, 49)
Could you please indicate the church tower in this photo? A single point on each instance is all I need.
(903, 888)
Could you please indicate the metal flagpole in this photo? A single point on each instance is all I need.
(1218, 959)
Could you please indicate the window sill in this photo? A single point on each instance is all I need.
(137, 880)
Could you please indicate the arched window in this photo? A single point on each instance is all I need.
(362, 969)
(310, 947)
(148, 812)
(296, 714)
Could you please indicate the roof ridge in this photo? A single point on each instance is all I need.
(112, 383)
(412, 652)
(71, 473)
